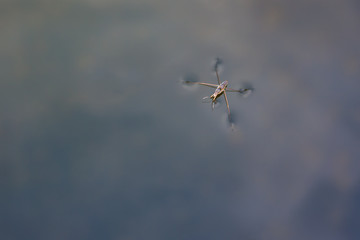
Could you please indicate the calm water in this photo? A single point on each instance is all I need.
(98, 140)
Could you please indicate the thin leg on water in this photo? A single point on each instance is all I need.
(217, 75)
(202, 83)
(227, 103)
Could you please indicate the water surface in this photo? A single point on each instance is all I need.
(100, 141)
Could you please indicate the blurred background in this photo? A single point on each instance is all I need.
(98, 140)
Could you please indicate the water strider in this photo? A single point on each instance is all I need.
(220, 89)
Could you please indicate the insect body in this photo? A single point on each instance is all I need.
(219, 90)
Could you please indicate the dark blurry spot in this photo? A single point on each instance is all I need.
(217, 64)
(188, 81)
(247, 90)
(232, 118)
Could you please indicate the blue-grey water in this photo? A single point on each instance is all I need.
(99, 140)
